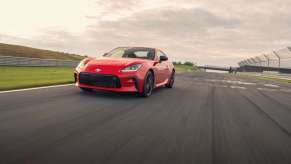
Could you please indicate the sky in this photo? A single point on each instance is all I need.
(206, 32)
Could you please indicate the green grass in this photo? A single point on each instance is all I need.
(270, 78)
(22, 51)
(26, 77)
(180, 68)
(274, 79)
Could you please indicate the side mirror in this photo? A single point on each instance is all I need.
(105, 54)
(163, 58)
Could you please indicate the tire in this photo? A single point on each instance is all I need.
(148, 85)
(86, 89)
(171, 82)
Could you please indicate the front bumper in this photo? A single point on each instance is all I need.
(120, 83)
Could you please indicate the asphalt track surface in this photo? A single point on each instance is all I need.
(207, 118)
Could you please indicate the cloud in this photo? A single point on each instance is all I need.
(174, 21)
(204, 31)
(176, 30)
(118, 4)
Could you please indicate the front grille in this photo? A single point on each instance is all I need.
(99, 80)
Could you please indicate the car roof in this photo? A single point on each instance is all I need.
(137, 47)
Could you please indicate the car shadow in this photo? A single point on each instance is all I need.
(121, 95)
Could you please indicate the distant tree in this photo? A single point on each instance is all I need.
(189, 63)
(177, 63)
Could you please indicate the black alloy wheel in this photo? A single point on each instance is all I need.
(148, 85)
(170, 84)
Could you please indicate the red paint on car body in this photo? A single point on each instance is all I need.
(131, 81)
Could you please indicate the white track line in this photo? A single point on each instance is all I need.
(221, 86)
(272, 85)
(237, 87)
(267, 89)
(28, 89)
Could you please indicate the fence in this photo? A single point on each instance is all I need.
(24, 61)
(280, 58)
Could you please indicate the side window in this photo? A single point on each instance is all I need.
(141, 54)
(144, 54)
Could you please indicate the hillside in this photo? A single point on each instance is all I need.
(22, 51)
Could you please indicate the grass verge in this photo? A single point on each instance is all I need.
(180, 68)
(274, 79)
(23, 51)
(26, 77)
(266, 77)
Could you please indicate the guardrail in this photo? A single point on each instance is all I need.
(24, 61)
(215, 68)
(252, 68)
(279, 58)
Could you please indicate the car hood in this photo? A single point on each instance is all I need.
(110, 65)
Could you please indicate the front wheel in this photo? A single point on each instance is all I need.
(170, 84)
(148, 85)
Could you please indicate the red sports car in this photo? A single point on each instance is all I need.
(126, 69)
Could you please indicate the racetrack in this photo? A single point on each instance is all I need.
(205, 118)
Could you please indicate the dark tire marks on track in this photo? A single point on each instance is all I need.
(260, 110)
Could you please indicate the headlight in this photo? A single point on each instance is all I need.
(131, 68)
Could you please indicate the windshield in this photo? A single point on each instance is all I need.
(125, 52)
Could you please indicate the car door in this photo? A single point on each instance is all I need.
(161, 68)
(167, 68)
